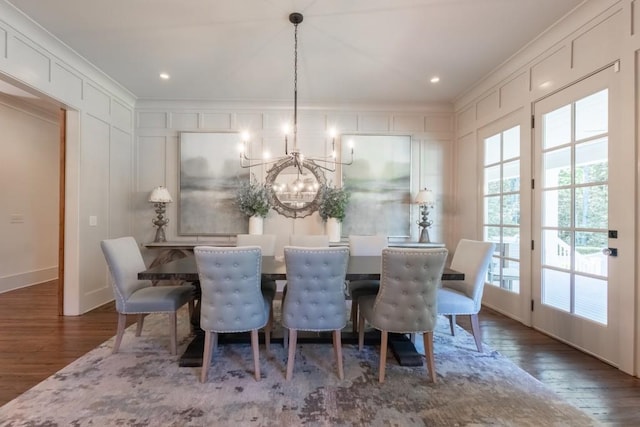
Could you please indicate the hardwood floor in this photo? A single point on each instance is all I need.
(36, 342)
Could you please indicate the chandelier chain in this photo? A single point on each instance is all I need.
(295, 86)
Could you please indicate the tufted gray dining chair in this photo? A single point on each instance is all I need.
(231, 298)
(364, 246)
(140, 297)
(406, 301)
(464, 297)
(267, 243)
(315, 298)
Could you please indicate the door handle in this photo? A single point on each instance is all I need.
(610, 251)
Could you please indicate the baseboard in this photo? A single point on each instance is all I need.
(30, 278)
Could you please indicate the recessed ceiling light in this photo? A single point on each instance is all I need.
(435, 79)
(165, 76)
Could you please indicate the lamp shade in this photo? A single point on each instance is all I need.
(424, 197)
(160, 195)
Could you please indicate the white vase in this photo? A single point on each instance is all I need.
(255, 224)
(334, 227)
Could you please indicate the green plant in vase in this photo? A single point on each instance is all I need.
(333, 203)
(252, 198)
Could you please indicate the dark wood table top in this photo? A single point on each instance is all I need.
(273, 268)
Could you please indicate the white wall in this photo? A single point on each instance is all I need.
(159, 122)
(99, 166)
(594, 36)
(29, 181)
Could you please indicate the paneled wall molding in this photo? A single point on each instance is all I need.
(159, 123)
(581, 20)
(99, 147)
(22, 29)
(286, 105)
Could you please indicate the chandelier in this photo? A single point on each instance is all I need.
(293, 155)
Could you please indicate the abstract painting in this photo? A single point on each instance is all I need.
(379, 181)
(210, 174)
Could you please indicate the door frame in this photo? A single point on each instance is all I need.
(623, 220)
(516, 306)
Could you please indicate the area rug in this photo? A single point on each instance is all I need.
(143, 386)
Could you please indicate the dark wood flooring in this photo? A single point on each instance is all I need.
(35, 343)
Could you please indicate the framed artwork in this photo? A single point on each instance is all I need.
(210, 174)
(379, 181)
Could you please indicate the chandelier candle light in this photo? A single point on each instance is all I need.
(160, 197)
(293, 154)
(425, 200)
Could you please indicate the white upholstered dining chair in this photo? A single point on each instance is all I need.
(139, 297)
(464, 297)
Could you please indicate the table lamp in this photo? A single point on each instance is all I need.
(160, 197)
(425, 200)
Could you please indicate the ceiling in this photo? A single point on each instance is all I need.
(350, 51)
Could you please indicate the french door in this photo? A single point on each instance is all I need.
(577, 196)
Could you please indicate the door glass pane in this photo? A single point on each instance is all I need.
(556, 289)
(511, 176)
(588, 253)
(511, 209)
(492, 234)
(492, 210)
(591, 298)
(492, 150)
(557, 127)
(592, 206)
(592, 161)
(511, 143)
(492, 180)
(511, 242)
(502, 200)
(557, 168)
(556, 208)
(556, 248)
(511, 276)
(592, 115)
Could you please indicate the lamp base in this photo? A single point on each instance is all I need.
(424, 236)
(160, 237)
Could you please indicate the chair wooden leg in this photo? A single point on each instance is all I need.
(354, 314)
(256, 353)
(337, 346)
(173, 327)
(477, 334)
(206, 355)
(383, 354)
(360, 333)
(452, 324)
(293, 338)
(427, 338)
(122, 322)
(139, 325)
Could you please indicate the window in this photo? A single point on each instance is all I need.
(502, 207)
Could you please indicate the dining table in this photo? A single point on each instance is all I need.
(274, 268)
